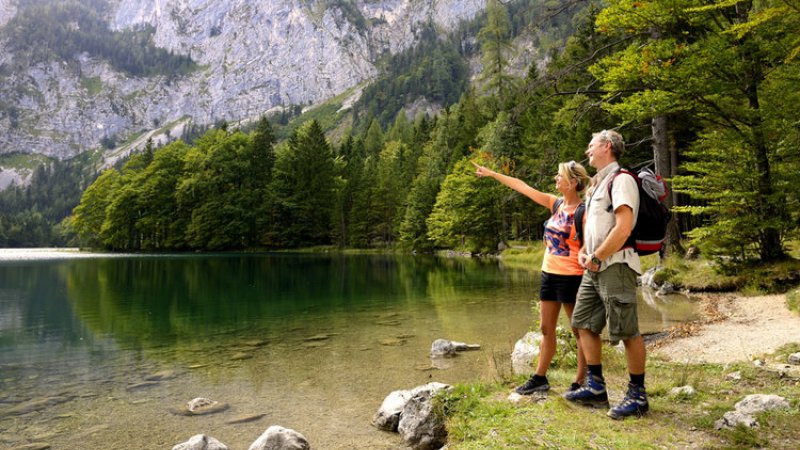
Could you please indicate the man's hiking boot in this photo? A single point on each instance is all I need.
(533, 384)
(634, 403)
(592, 393)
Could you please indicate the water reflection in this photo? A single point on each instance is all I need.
(314, 342)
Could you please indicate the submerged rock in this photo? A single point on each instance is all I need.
(444, 347)
(36, 405)
(241, 356)
(32, 446)
(161, 376)
(245, 419)
(279, 438)
(392, 342)
(200, 406)
(201, 442)
(142, 385)
(317, 337)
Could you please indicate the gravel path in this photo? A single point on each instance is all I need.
(733, 328)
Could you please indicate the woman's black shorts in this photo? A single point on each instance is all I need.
(559, 288)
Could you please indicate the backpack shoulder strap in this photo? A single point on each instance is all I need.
(578, 222)
(631, 241)
(556, 205)
(616, 174)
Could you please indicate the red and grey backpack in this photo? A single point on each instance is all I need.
(651, 223)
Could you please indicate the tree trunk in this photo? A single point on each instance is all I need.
(665, 157)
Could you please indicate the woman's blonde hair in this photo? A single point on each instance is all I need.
(575, 171)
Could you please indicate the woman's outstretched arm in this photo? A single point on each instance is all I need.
(518, 185)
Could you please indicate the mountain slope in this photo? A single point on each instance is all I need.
(251, 56)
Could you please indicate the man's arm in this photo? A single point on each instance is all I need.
(616, 237)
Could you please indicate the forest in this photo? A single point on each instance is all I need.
(45, 31)
(704, 92)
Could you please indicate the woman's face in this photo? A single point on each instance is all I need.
(564, 184)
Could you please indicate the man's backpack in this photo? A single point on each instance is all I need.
(651, 224)
(650, 231)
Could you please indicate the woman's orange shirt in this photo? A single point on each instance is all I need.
(561, 247)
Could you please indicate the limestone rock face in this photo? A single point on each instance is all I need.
(253, 56)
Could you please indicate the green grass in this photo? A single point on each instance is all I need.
(479, 415)
(22, 160)
(94, 85)
(793, 300)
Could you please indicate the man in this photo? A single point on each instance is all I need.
(607, 294)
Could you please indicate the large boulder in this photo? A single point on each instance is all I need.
(388, 415)
(201, 442)
(421, 424)
(279, 438)
(525, 351)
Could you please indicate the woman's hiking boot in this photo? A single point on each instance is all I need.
(634, 403)
(535, 383)
(592, 393)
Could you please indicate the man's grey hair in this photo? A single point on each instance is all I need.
(617, 143)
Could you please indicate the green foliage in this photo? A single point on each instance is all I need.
(433, 69)
(466, 213)
(496, 49)
(89, 215)
(30, 215)
(304, 188)
(713, 67)
(42, 31)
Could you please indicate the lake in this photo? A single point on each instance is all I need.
(97, 351)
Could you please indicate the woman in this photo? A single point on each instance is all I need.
(561, 273)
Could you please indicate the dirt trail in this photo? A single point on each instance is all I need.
(733, 328)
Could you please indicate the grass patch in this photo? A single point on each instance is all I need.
(93, 85)
(479, 415)
(29, 161)
(523, 255)
(793, 300)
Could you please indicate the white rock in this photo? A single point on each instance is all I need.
(389, 414)
(733, 418)
(278, 438)
(201, 442)
(525, 351)
(687, 391)
(794, 358)
(757, 403)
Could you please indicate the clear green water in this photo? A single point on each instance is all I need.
(311, 342)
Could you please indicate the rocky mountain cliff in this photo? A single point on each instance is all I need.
(251, 56)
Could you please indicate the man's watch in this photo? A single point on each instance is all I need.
(595, 260)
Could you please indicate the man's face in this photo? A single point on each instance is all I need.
(596, 149)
